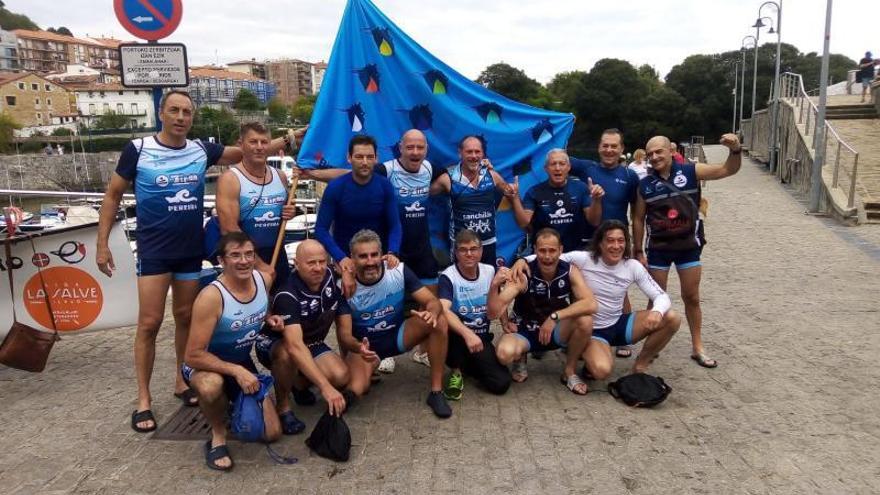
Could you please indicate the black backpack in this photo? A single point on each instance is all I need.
(640, 390)
(331, 438)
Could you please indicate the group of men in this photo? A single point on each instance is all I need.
(371, 273)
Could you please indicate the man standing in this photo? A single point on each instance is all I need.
(464, 290)
(252, 197)
(558, 203)
(551, 310)
(471, 186)
(309, 303)
(866, 73)
(168, 171)
(668, 203)
(355, 201)
(620, 184)
(380, 329)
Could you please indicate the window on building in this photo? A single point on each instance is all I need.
(49, 101)
(39, 116)
(48, 87)
(35, 86)
(10, 100)
(120, 93)
(92, 109)
(36, 101)
(137, 92)
(21, 86)
(106, 107)
(120, 108)
(134, 108)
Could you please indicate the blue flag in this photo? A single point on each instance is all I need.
(382, 83)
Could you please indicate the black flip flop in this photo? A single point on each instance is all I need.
(213, 454)
(189, 397)
(140, 417)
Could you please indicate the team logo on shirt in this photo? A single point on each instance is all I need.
(414, 208)
(328, 291)
(248, 337)
(268, 217)
(382, 326)
(162, 180)
(236, 324)
(540, 287)
(560, 214)
(182, 196)
(562, 284)
(479, 226)
(680, 180)
(313, 305)
(672, 214)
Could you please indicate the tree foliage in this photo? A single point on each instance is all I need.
(278, 111)
(60, 30)
(509, 81)
(7, 125)
(301, 111)
(10, 20)
(219, 124)
(112, 120)
(247, 100)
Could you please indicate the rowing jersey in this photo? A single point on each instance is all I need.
(468, 297)
(260, 206)
(377, 308)
(239, 323)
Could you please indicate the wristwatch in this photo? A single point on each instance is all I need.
(554, 316)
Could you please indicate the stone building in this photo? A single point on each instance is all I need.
(33, 100)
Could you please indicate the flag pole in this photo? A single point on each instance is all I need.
(291, 200)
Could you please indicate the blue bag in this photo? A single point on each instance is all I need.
(247, 422)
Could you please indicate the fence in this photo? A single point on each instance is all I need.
(797, 144)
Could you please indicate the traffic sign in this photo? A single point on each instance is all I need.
(149, 19)
(153, 65)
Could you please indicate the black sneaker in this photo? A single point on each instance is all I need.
(304, 397)
(438, 404)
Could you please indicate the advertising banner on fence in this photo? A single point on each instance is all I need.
(60, 265)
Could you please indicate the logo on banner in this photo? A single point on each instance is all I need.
(70, 252)
(40, 260)
(75, 297)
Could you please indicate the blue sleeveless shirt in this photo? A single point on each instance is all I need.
(472, 207)
(259, 207)
(239, 323)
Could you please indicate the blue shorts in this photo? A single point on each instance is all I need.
(663, 260)
(386, 344)
(525, 332)
(230, 385)
(180, 269)
(267, 339)
(618, 334)
(866, 81)
(424, 265)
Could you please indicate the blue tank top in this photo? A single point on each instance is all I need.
(543, 297)
(377, 309)
(412, 190)
(472, 207)
(259, 207)
(169, 184)
(468, 297)
(239, 323)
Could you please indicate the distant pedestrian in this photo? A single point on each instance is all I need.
(60, 149)
(48, 150)
(866, 72)
(639, 164)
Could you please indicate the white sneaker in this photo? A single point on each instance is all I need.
(387, 365)
(421, 358)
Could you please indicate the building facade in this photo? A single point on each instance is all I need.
(318, 71)
(96, 99)
(292, 77)
(33, 100)
(217, 86)
(8, 51)
(252, 67)
(42, 51)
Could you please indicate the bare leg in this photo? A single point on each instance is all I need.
(283, 370)
(360, 372)
(334, 369)
(152, 290)
(183, 295)
(416, 331)
(656, 339)
(576, 334)
(690, 293)
(597, 358)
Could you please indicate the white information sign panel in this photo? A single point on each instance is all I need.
(153, 65)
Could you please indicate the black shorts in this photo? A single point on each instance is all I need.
(267, 339)
(180, 269)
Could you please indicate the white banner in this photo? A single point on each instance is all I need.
(81, 297)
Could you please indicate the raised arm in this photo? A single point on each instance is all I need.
(585, 303)
(594, 211)
(323, 174)
(731, 166)
(106, 218)
(500, 300)
(521, 213)
(638, 219)
(442, 185)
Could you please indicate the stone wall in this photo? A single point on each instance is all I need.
(68, 172)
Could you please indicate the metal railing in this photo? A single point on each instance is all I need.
(797, 143)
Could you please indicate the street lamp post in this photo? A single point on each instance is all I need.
(742, 88)
(772, 146)
(736, 84)
(819, 136)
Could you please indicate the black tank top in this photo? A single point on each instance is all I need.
(543, 297)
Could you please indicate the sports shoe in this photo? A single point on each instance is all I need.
(438, 404)
(421, 358)
(387, 365)
(454, 386)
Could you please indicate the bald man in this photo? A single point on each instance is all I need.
(303, 310)
(668, 202)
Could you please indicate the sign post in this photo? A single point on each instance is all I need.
(152, 65)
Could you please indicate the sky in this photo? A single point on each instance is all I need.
(542, 38)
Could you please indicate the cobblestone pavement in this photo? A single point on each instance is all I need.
(790, 305)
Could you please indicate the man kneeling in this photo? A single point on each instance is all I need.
(380, 330)
(306, 306)
(551, 310)
(217, 362)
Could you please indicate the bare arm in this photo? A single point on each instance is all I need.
(106, 219)
(500, 300)
(205, 314)
(228, 190)
(428, 301)
(500, 183)
(296, 347)
(344, 334)
(729, 167)
(520, 213)
(324, 174)
(455, 323)
(594, 211)
(584, 304)
(638, 219)
(442, 185)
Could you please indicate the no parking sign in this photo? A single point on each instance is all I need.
(149, 19)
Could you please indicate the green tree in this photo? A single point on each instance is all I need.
(112, 120)
(278, 111)
(246, 100)
(301, 111)
(10, 20)
(7, 125)
(219, 124)
(509, 81)
(61, 30)
(62, 131)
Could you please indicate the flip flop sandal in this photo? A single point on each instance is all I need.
(189, 397)
(623, 352)
(573, 381)
(140, 417)
(290, 424)
(704, 360)
(212, 455)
